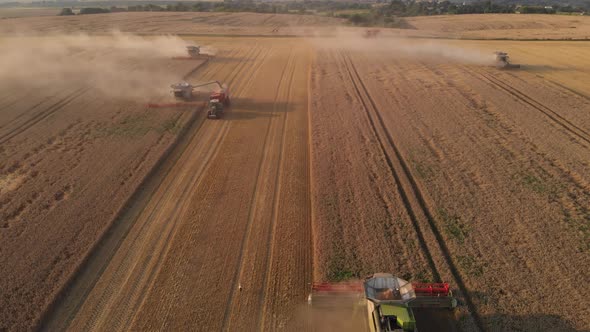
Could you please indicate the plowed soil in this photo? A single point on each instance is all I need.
(338, 157)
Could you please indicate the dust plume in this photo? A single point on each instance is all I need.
(331, 311)
(402, 48)
(116, 65)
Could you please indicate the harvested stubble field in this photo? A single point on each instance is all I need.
(216, 23)
(503, 26)
(339, 157)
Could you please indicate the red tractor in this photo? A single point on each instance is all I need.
(222, 96)
(217, 100)
(184, 91)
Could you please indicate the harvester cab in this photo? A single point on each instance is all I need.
(503, 61)
(389, 300)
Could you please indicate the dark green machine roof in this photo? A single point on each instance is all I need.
(404, 315)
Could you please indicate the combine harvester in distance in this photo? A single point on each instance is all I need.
(388, 301)
(503, 61)
(193, 52)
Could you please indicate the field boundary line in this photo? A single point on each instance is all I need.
(404, 196)
(312, 235)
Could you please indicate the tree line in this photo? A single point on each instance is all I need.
(364, 14)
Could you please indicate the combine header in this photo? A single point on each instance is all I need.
(388, 300)
(503, 61)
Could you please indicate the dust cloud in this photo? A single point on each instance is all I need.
(116, 65)
(402, 48)
(333, 311)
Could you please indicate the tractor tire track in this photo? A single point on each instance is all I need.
(558, 119)
(271, 247)
(378, 126)
(290, 68)
(42, 115)
(256, 193)
(285, 280)
(151, 272)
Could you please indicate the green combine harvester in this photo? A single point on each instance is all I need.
(388, 301)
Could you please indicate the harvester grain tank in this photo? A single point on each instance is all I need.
(503, 61)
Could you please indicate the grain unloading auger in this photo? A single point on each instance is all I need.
(388, 300)
(185, 92)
